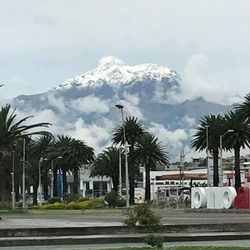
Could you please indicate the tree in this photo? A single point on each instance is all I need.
(40, 148)
(199, 143)
(75, 153)
(236, 140)
(134, 131)
(244, 108)
(12, 130)
(149, 152)
(106, 164)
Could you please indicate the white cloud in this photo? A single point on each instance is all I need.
(90, 104)
(57, 102)
(94, 135)
(172, 139)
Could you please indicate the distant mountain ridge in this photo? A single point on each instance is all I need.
(84, 106)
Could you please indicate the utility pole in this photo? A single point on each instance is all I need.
(24, 194)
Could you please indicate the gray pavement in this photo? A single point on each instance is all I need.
(112, 218)
(240, 243)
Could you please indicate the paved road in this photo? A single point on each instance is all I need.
(112, 217)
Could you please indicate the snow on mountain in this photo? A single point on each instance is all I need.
(113, 72)
(84, 106)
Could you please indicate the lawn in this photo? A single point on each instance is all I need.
(184, 248)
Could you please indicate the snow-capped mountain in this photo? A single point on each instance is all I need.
(84, 106)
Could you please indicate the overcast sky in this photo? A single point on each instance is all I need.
(44, 42)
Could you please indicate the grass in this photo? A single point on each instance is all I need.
(183, 248)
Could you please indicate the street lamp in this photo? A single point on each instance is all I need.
(120, 170)
(221, 169)
(52, 177)
(126, 156)
(39, 197)
(13, 180)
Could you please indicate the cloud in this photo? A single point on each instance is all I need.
(57, 102)
(90, 104)
(173, 140)
(96, 136)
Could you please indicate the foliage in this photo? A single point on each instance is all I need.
(53, 200)
(78, 205)
(84, 199)
(70, 197)
(107, 164)
(5, 205)
(114, 200)
(155, 241)
(149, 152)
(55, 205)
(111, 198)
(143, 216)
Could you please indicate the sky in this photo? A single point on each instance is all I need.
(45, 42)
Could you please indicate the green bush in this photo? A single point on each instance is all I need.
(55, 205)
(83, 199)
(121, 203)
(155, 241)
(111, 198)
(70, 197)
(53, 200)
(79, 205)
(5, 205)
(143, 216)
(97, 202)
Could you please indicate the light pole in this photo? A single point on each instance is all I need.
(126, 156)
(120, 171)
(13, 180)
(39, 197)
(24, 194)
(52, 177)
(221, 168)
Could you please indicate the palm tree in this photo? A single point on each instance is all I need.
(75, 153)
(106, 164)
(40, 149)
(134, 131)
(12, 130)
(199, 143)
(236, 140)
(149, 152)
(244, 108)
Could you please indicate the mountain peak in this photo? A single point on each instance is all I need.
(114, 72)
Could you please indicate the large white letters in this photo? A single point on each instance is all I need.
(213, 197)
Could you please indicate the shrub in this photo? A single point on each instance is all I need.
(79, 205)
(155, 241)
(111, 198)
(5, 205)
(83, 199)
(53, 200)
(121, 202)
(70, 197)
(55, 205)
(143, 216)
(97, 202)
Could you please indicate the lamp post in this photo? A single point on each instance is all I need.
(120, 171)
(126, 156)
(39, 197)
(24, 194)
(13, 181)
(52, 177)
(221, 168)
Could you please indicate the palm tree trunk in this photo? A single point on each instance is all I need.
(55, 183)
(45, 188)
(65, 184)
(35, 188)
(237, 167)
(76, 180)
(115, 183)
(147, 187)
(132, 189)
(215, 161)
